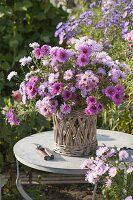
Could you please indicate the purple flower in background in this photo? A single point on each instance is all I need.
(67, 94)
(25, 60)
(92, 5)
(112, 171)
(68, 74)
(45, 50)
(56, 88)
(65, 108)
(38, 54)
(11, 118)
(90, 99)
(62, 55)
(101, 71)
(82, 60)
(123, 155)
(91, 109)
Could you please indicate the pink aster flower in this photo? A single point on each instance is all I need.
(56, 88)
(82, 60)
(112, 171)
(91, 109)
(85, 49)
(62, 55)
(129, 198)
(31, 89)
(25, 60)
(53, 77)
(101, 150)
(65, 108)
(38, 54)
(123, 155)
(129, 170)
(90, 99)
(108, 183)
(68, 74)
(67, 94)
(53, 53)
(11, 118)
(45, 49)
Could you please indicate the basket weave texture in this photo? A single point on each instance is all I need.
(75, 134)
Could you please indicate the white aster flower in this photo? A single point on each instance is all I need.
(10, 76)
(34, 45)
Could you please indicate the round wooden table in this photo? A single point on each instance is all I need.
(25, 153)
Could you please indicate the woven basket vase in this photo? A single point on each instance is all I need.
(75, 134)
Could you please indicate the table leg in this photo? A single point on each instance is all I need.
(19, 185)
(94, 192)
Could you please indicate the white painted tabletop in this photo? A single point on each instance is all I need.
(25, 151)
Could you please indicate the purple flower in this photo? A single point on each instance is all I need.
(123, 155)
(101, 71)
(65, 108)
(120, 88)
(100, 107)
(25, 60)
(112, 171)
(67, 95)
(91, 109)
(11, 118)
(92, 5)
(90, 99)
(85, 49)
(38, 54)
(110, 91)
(45, 50)
(31, 89)
(62, 55)
(56, 88)
(117, 98)
(82, 60)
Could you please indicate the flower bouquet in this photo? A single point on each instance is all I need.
(71, 85)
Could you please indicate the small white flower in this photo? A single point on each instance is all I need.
(34, 45)
(10, 76)
(25, 60)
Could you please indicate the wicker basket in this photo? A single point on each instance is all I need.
(75, 134)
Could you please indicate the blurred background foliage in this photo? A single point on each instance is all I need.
(23, 22)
